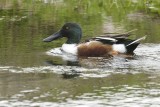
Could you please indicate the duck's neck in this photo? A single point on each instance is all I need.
(74, 38)
(72, 41)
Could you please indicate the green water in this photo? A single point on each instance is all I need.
(29, 77)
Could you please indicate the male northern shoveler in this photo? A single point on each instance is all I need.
(95, 47)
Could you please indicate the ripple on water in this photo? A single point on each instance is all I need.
(147, 59)
(145, 93)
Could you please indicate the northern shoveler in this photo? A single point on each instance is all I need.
(95, 47)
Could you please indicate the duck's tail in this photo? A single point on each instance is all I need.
(137, 41)
(133, 45)
(129, 45)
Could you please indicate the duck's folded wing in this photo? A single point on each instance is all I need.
(111, 38)
(105, 40)
(119, 35)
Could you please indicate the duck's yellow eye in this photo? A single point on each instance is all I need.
(67, 28)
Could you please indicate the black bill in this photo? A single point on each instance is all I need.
(55, 36)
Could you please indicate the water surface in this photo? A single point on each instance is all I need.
(30, 77)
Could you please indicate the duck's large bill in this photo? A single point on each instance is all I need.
(55, 36)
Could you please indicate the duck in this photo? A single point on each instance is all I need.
(101, 46)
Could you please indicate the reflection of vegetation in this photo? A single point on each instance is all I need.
(26, 22)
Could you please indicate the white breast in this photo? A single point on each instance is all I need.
(119, 48)
(70, 48)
